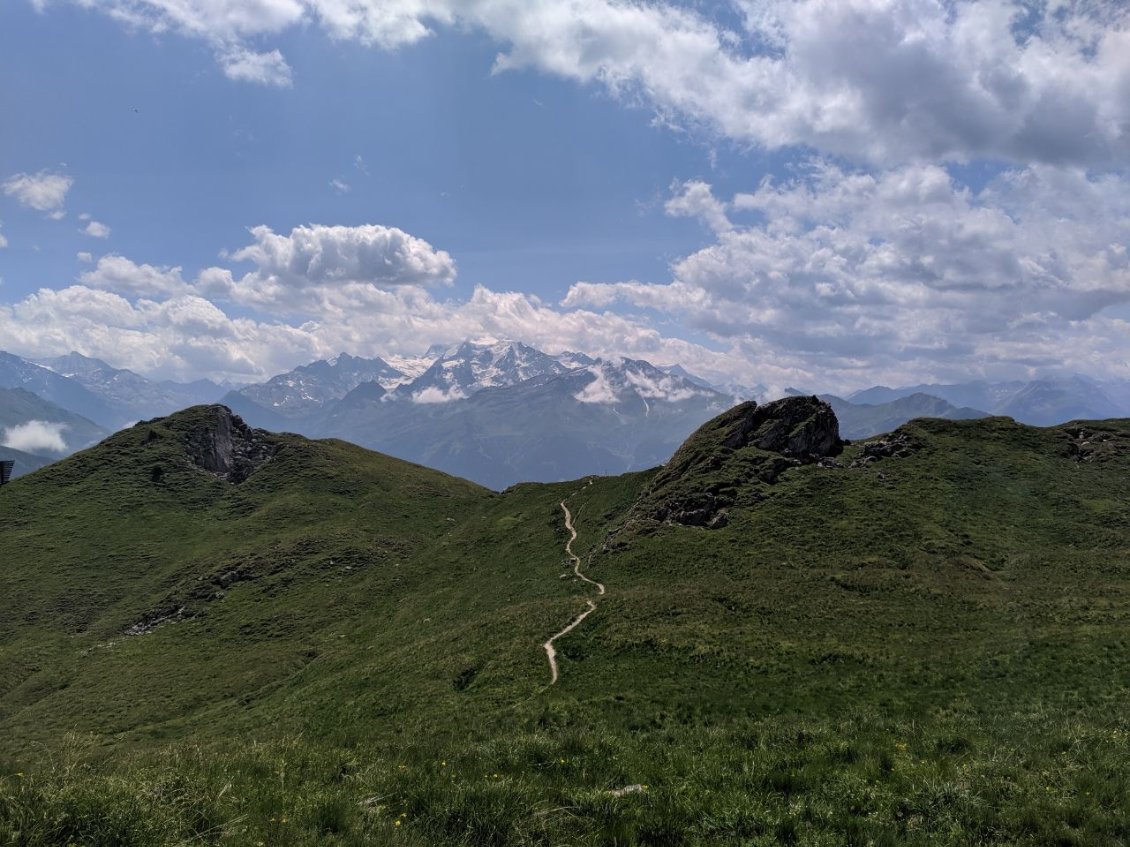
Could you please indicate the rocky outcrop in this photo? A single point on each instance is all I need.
(733, 459)
(803, 428)
(224, 445)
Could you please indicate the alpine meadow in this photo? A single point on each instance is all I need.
(216, 634)
(564, 423)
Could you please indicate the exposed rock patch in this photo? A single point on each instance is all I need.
(227, 447)
(897, 445)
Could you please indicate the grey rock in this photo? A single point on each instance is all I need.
(227, 447)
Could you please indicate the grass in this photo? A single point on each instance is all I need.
(925, 650)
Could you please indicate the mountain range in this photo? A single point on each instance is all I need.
(504, 412)
(497, 413)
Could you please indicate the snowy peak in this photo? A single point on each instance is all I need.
(471, 367)
(624, 380)
(312, 386)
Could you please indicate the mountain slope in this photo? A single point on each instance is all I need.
(918, 638)
(25, 463)
(496, 413)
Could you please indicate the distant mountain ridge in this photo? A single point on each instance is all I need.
(501, 412)
(863, 420)
(1040, 402)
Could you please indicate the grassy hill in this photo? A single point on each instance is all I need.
(919, 639)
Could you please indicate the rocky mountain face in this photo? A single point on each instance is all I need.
(308, 388)
(468, 368)
(60, 390)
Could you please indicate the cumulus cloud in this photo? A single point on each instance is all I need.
(119, 274)
(870, 79)
(842, 272)
(3, 241)
(186, 336)
(318, 268)
(96, 229)
(44, 191)
(36, 437)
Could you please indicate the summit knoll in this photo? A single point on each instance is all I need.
(212, 633)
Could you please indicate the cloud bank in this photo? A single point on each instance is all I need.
(874, 80)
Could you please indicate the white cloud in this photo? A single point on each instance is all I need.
(663, 388)
(599, 391)
(694, 199)
(844, 276)
(3, 241)
(121, 275)
(340, 186)
(334, 268)
(245, 65)
(84, 257)
(36, 437)
(44, 191)
(97, 229)
(435, 394)
(882, 80)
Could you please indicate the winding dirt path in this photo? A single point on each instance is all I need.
(550, 652)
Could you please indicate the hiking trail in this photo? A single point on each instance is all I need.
(550, 652)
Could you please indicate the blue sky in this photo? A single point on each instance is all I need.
(815, 193)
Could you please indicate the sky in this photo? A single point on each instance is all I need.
(829, 194)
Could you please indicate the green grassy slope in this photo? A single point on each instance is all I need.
(923, 642)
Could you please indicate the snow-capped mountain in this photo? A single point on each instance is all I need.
(310, 387)
(620, 381)
(470, 367)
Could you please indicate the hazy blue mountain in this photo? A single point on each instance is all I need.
(306, 389)
(1041, 402)
(31, 424)
(61, 390)
(1044, 402)
(131, 395)
(862, 420)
